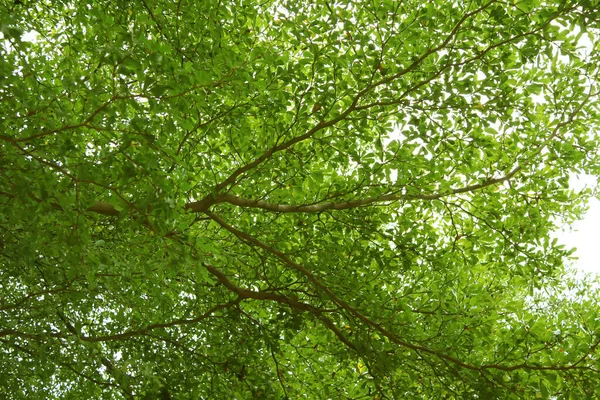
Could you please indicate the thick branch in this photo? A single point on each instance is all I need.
(249, 203)
(205, 204)
(260, 295)
(104, 208)
(391, 336)
(119, 336)
(295, 304)
(353, 105)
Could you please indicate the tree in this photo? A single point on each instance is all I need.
(278, 199)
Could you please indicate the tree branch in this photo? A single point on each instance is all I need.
(249, 203)
(384, 331)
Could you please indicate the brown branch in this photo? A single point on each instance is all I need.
(262, 295)
(391, 336)
(351, 108)
(312, 208)
(295, 304)
(104, 208)
(259, 295)
(33, 336)
(204, 205)
(145, 330)
(33, 295)
(67, 127)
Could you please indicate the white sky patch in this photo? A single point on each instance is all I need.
(585, 234)
(30, 36)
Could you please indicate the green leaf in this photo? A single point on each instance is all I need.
(295, 199)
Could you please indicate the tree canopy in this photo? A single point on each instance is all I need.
(277, 199)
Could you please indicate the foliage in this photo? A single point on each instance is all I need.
(278, 199)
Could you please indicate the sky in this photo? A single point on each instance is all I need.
(584, 234)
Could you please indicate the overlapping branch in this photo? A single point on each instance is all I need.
(380, 328)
